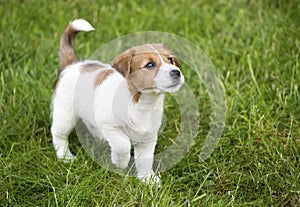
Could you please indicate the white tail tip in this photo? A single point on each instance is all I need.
(82, 25)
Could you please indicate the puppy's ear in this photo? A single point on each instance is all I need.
(122, 63)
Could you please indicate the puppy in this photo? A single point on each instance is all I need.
(121, 102)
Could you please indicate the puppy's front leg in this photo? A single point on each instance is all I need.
(143, 154)
(120, 146)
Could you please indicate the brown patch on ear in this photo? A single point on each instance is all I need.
(101, 76)
(122, 63)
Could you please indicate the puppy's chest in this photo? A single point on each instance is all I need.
(142, 126)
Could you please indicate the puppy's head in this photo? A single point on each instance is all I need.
(150, 67)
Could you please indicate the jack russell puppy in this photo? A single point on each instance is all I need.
(121, 102)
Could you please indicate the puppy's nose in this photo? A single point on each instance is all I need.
(175, 74)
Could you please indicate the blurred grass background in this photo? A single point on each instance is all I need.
(254, 46)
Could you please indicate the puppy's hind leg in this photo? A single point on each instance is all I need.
(62, 125)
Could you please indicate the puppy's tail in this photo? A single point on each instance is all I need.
(66, 52)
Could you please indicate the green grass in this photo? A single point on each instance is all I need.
(254, 45)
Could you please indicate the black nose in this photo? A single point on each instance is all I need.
(175, 74)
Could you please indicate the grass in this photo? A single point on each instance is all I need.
(254, 46)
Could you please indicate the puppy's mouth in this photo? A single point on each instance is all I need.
(174, 85)
(170, 88)
(161, 88)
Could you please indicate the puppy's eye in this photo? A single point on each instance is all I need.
(170, 59)
(150, 65)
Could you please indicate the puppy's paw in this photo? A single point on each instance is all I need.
(65, 157)
(153, 180)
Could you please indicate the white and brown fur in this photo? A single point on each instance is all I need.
(121, 102)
